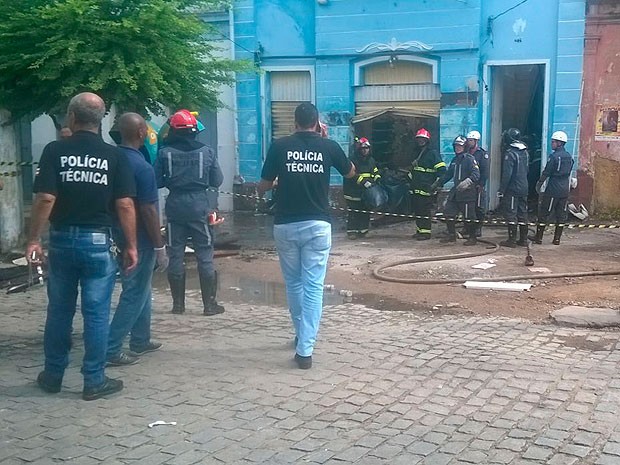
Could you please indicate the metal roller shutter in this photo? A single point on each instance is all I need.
(288, 89)
(426, 107)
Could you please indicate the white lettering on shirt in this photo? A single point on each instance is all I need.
(84, 176)
(298, 162)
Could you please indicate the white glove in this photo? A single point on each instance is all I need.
(161, 259)
(464, 185)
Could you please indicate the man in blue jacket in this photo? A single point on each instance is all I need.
(554, 199)
(513, 187)
(462, 197)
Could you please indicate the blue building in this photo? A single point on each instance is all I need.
(383, 69)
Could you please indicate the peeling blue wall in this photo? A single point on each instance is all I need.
(330, 37)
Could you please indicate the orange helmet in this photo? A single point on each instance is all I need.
(423, 133)
(183, 119)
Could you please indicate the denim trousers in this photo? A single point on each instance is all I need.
(303, 248)
(79, 257)
(133, 313)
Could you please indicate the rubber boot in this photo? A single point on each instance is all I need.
(557, 235)
(512, 236)
(177, 289)
(451, 238)
(471, 240)
(540, 231)
(522, 235)
(208, 289)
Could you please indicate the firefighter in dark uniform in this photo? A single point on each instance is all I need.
(425, 171)
(513, 187)
(188, 168)
(482, 158)
(554, 199)
(462, 197)
(367, 174)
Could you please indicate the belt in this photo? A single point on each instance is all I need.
(85, 229)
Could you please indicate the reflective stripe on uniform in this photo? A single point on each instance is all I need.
(200, 164)
(427, 170)
(356, 199)
(169, 157)
(363, 176)
(441, 164)
(420, 192)
(423, 231)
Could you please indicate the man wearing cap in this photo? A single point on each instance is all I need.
(302, 222)
(425, 174)
(367, 174)
(188, 168)
(554, 198)
(482, 159)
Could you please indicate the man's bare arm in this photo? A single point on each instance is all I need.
(126, 212)
(150, 218)
(41, 210)
(263, 186)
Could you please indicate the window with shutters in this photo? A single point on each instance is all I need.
(287, 90)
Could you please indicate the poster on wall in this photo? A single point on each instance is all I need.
(607, 128)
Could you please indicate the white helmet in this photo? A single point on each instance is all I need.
(559, 135)
(473, 135)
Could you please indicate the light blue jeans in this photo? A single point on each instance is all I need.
(303, 248)
(133, 313)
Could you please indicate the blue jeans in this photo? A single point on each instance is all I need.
(133, 312)
(79, 256)
(303, 248)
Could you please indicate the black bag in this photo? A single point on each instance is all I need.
(374, 197)
(396, 188)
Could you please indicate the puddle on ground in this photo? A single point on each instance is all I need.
(248, 290)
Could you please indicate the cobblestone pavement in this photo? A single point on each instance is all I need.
(387, 387)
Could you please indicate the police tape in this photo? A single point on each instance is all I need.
(437, 217)
(441, 217)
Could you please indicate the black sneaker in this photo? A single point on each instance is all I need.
(150, 347)
(305, 363)
(109, 386)
(122, 359)
(48, 384)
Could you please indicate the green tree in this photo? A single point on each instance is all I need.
(139, 54)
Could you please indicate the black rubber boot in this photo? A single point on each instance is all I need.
(512, 237)
(471, 240)
(522, 235)
(557, 235)
(540, 231)
(208, 289)
(177, 289)
(451, 238)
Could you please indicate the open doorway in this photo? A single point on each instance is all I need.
(517, 99)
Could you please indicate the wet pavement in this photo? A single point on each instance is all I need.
(387, 387)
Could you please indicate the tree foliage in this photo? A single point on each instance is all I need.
(139, 54)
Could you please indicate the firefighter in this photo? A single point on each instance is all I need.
(482, 158)
(462, 197)
(188, 169)
(554, 199)
(367, 174)
(513, 187)
(426, 169)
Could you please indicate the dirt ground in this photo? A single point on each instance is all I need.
(351, 264)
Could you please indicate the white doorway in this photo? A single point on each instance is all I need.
(515, 94)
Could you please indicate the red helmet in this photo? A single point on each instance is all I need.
(423, 133)
(183, 119)
(364, 142)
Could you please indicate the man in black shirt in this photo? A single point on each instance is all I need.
(82, 182)
(302, 231)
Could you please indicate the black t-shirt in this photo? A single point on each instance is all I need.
(86, 175)
(302, 162)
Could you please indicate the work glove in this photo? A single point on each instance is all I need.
(367, 184)
(161, 259)
(539, 185)
(464, 185)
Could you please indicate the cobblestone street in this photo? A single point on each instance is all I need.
(386, 387)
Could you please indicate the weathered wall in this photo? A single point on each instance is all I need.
(11, 210)
(599, 171)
